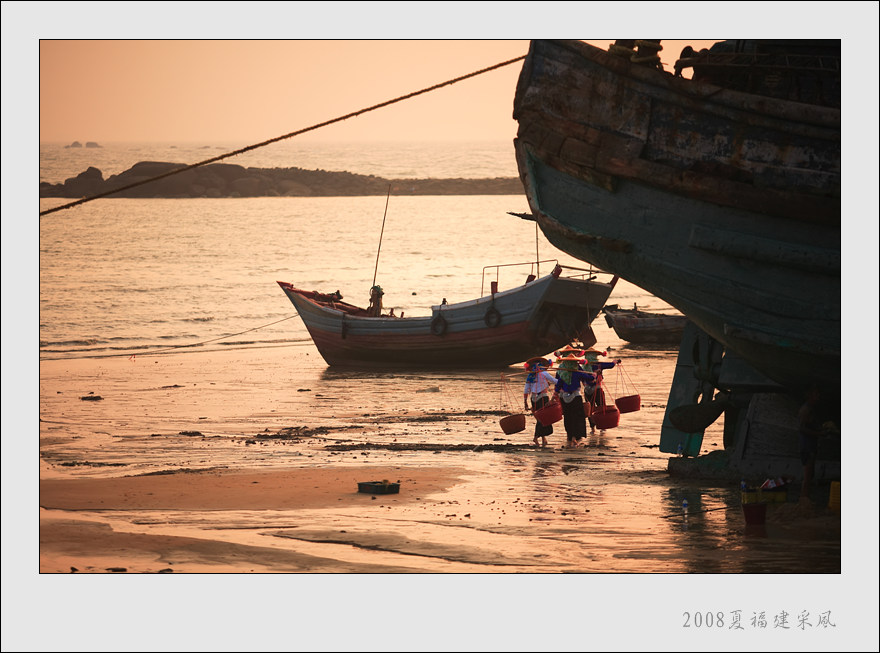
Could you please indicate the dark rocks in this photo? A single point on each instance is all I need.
(230, 180)
(78, 144)
(85, 183)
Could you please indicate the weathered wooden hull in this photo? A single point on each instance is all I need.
(531, 320)
(724, 204)
(646, 328)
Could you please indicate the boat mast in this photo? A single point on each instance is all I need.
(376, 270)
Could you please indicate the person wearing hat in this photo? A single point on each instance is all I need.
(593, 392)
(594, 395)
(375, 307)
(539, 385)
(570, 381)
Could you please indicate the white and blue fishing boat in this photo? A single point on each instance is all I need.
(534, 316)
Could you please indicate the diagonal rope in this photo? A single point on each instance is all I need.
(281, 138)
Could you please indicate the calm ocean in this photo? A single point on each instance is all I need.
(125, 276)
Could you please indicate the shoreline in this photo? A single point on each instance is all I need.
(79, 532)
(153, 179)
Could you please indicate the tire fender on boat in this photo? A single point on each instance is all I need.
(439, 325)
(492, 317)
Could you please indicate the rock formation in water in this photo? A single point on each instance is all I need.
(230, 180)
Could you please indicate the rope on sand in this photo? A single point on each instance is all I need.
(175, 347)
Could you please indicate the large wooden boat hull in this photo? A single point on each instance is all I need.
(500, 329)
(724, 204)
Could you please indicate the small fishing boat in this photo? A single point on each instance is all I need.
(499, 328)
(643, 327)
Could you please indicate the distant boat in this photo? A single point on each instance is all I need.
(643, 327)
(499, 329)
(719, 194)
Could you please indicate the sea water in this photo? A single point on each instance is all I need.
(121, 276)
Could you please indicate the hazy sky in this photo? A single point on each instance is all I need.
(230, 72)
(252, 90)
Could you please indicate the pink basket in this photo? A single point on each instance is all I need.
(606, 417)
(513, 423)
(629, 404)
(549, 414)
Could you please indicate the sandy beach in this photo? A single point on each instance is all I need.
(245, 462)
(248, 460)
(76, 545)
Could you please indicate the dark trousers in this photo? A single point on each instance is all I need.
(541, 431)
(574, 418)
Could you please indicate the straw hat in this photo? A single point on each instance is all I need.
(569, 350)
(569, 358)
(592, 355)
(537, 360)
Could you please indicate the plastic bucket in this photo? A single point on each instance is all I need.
(755, 513)
(834, 496)
(513, 423)
(629, 404)
(549, 414)
(606, 418)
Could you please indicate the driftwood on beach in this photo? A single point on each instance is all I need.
(230, 180)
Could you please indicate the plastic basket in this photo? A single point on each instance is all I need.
(513, 423)
(606, 417)
(549, 414)
(629, 404)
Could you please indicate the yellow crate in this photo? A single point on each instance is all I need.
(750, 496)
(773, 496)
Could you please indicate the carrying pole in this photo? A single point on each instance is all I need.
(376, 271)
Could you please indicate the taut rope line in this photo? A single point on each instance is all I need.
(285, 136)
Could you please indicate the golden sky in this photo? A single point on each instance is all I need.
(230, 72)
(252, 90)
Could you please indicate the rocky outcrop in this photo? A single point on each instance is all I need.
(230, 180)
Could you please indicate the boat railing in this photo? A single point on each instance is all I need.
(754, 61)
(535, 271)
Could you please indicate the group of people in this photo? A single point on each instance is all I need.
(577, 385)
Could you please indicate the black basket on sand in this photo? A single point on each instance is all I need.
(379, 487)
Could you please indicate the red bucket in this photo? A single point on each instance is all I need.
(513, 423)
(755, 513)
(629, 404)
(606, 417)
(549, 414)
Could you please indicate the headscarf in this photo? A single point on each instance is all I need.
(566, 367)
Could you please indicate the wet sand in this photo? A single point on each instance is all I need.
(245, 462)
(209, 460)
